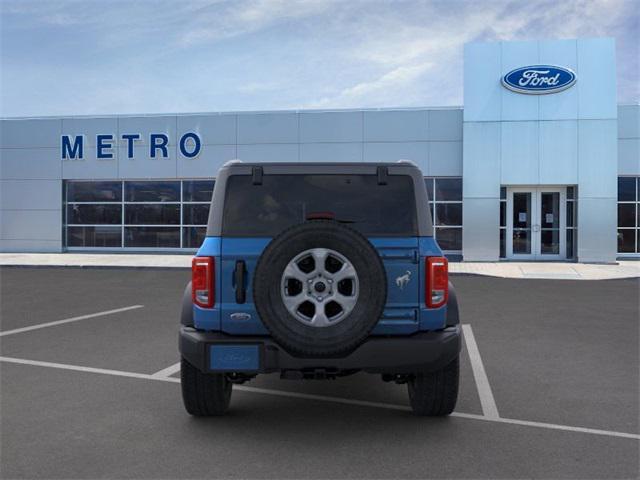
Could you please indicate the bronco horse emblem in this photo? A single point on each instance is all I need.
(402, 280)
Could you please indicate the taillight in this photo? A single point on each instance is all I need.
(203, 281)
(437, 285)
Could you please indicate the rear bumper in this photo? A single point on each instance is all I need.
(424, 351)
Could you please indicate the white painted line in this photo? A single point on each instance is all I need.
(489, 408)
(167, 372)
(68, 320)
(323, 398)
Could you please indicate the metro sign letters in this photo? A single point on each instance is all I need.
(72, 146)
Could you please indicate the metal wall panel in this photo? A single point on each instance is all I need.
(516, 106)
(214, 129)
(598, 159)
(268, 152)
(597, 78)
(629, 156)
(558, 164)
(482, 89)
(28, 246)
(207, 163)
(519, 153)
(481, 154)
(267, 128)
(331, 152)
(30, 133)
(32, 224)
(445, 125)
(31, 194)
(90, 128)
(445, 159)
(481, 234)
(92, 167)
(417, 152)
(30, 163)
(145, 125)
(396, 126)
(562, 105)
(597, 222)
(331, 127)
(142, 166)
(629, 121)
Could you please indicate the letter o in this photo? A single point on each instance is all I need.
(183, 145)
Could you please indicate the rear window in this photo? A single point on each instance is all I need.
(285, 200)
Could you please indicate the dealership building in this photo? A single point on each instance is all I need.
(541, 162)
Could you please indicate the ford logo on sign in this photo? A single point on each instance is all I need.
(539, 79)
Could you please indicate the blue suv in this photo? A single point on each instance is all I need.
(319, 271)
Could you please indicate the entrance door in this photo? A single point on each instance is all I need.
(536, 223)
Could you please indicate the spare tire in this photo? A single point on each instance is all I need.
(320, 288)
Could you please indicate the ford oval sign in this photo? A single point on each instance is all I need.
(539, 79)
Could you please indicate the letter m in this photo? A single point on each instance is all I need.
(74, 151)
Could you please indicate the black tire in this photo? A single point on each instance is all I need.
(204, 394)
(435, 394)
(333, 340)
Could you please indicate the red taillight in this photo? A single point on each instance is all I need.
(203, 281)
(437, 285)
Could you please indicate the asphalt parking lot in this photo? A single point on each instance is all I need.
(549, 389)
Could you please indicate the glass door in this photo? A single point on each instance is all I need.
(536, 223)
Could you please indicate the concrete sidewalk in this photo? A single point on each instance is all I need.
(548, 270)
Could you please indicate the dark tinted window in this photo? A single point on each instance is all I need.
(94, 236)
(155, 237)
(152, 214)
(197, 190)
(448, 189)
(195, 214)
(152, 191)
(94, 191)
(285, 200)
(192, 237)
(626, 189)
(94, 214)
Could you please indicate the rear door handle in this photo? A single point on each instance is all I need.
(239, 276)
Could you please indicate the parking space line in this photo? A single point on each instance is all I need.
(68, 320)
(489, 408)
(167, 372)
(306, 396)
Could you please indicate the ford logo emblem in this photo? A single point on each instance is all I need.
(539, 79)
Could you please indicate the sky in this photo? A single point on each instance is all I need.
(96, 57)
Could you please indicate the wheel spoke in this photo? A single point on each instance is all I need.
(319, 256)
(293, 271)
(347, 271)
(319, 318)
(345, 301)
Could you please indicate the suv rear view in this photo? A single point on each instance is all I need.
(319, 271)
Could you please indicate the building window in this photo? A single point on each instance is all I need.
(445, 204)
(628, 215)
(571, 222)
(503, 222)
(137, 214)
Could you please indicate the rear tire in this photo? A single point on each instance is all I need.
(204, 394)
(434, 394)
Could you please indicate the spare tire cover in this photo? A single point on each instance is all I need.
(320, 288)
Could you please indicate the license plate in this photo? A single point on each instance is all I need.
(234, 357)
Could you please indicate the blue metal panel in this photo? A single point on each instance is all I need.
(482, 89)
(559, 152)
(331, 152)
(331, 127)
(481, 157)
(395, 126)
(267, 128)
(519, 153)
(562, 105)
(596, 78)
(234, 358)
(214, 129)
(445, 125)
(516, 106)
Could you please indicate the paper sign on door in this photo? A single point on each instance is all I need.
(548, 218)
(522, 216)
